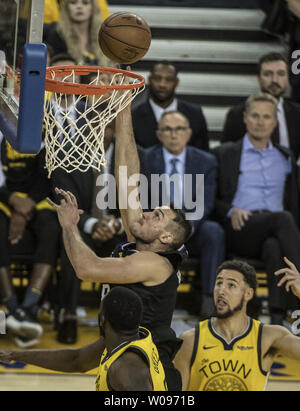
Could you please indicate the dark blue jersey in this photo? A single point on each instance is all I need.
(158, 300)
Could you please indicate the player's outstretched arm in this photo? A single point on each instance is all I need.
(145, 267)
(277, 341)
(63, 360)
(127, 165)
(183, 358)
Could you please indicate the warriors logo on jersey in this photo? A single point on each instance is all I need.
(221, 366)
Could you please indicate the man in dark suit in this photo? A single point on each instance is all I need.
(207, 241)
(257, 199)
(273, 79)
(163, 81)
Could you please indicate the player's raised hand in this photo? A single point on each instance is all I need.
(291, 278)
(67, 211)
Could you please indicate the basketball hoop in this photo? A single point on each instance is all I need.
(76, 114)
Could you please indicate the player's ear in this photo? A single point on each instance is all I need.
(249, 294)
(166, 237)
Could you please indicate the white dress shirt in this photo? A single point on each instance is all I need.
(158, 111)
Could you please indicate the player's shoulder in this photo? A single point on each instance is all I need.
(149, 258)
(130, 369)
(129, 359)
(271, 333)
(188, 336)
(188, 342)
(270, 330)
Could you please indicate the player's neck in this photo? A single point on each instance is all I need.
(115, 340)
(231, 327)
(155, 247)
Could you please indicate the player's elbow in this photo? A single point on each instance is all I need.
(89, 273)
(83, 274)
(84, 269)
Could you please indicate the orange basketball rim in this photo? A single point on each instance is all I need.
(76, 113)
(55, 84)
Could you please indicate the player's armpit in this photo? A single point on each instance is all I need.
(89, 356)
(288, 345)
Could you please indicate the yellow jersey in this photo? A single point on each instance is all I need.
(148, 351)
(218, 365)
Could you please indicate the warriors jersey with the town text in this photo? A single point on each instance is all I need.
(221, 366)
(143, 347)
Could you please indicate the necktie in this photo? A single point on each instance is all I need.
(173, 171)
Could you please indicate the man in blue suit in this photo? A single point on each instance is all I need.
(173, 156)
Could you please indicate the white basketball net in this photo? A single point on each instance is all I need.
(75, 124)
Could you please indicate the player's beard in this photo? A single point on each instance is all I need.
(230, 311)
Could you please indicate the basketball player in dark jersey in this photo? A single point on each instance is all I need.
(150, 264)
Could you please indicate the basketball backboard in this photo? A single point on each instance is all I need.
(23, 60)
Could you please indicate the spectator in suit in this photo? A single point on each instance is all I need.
(76, 32)
(207, 241)
(273, 79)
(25, 216)
(257, 199)
(162, 84)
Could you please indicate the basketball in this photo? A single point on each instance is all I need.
(124, 37)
